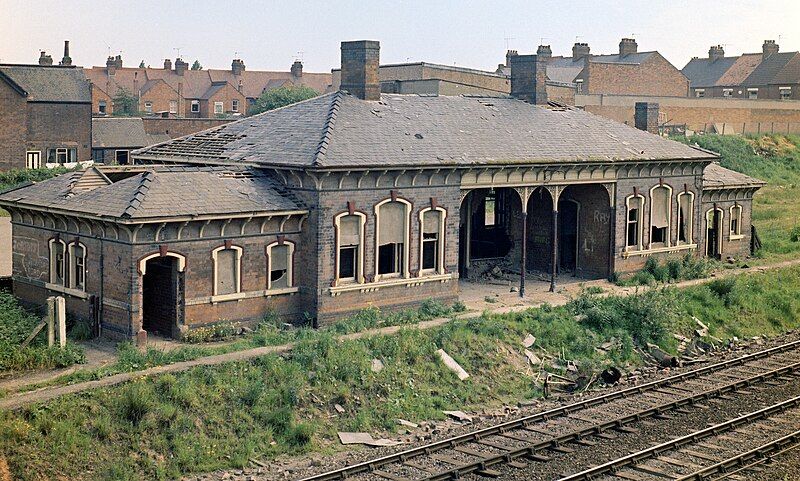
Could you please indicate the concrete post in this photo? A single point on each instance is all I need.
(51, 321)
(61, 317)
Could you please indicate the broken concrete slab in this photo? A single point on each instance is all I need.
(533, 358)
(377, 366)
(529, 340)
(365, 438)
(339, 409)
(407, 424)
(460, 415)
(452, 365)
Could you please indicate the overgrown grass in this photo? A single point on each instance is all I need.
(776, 208)
(16, 324)
(221, 416)
(672, 270)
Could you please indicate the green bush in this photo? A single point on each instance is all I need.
(14, 177)
(673, 270)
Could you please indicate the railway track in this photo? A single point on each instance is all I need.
(517, 443)
(711, 453)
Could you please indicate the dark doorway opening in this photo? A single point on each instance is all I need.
(490, 222)
(160, 296)
(568, 211)
(713, 222)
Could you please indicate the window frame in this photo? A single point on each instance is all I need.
(171, 104)
(221, 106)
(127, 156)
(440, 249)
(148, 107)
(358, 277)
(289, 263)
(404, 268)
(668, 236)
(727, 93)
(752, 94)
(699, 93)
(735, 234)
(237, 272)
(785, 90)
(639, 222)
(195, 106)
(102, 107)
(73, 265)
(38, 157)
(53, 263)
(690, 223)
(235, 105)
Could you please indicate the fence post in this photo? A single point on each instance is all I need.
(759, 128)
(723, 128)
(773, 127)
(61, 315)
(51, 321)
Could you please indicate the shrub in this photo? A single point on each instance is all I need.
(135, 401)
(794, 235)
(215, 332)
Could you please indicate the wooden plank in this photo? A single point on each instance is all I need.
(424, 469)
(517, 464)
(470, 451)
(34, 333)
(700, 455)
(605, 435)
(388, 475)
(538, 458)
(492, 444)
(679, 462)
(630, 476)
(627, 429)
(489, 473)
(653, 471)
(446, 459)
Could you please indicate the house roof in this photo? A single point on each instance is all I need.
(338, 130)
(122, 132)
(716, 176)
(774, 67)
(213, 89)
(49, 83)
(563, 70)
(703, 72)
(630, 59)
(156, 192)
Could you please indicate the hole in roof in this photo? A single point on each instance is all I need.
(419, 136)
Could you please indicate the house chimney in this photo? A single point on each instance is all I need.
(529, 78)
(544, 52)
(627, 46)
(646, 116)
(579, 51)
(509, 54)
(715, 52)
(111, 66)
(118, 61)
(360, 62)
(297, 69)
(769, 48)
(45, 59)
(180, 66)
(67, 60)
(237, 66)
(167, 64)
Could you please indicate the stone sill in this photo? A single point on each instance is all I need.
(405, 282)
(238, 296)
(67, 290)
(737, 237)
(659, 250)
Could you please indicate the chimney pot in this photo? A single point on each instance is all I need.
(627, 46)
(66, 60)
(529, 78)
(180, 66)
(509, 54)
(118, 61)
(715, 52)
(297, 69)
(45, 59)
(360, 64)
(167, 64)
(646, 116)
(579, 51)
(769, 47)
(544, 51)
(111, 65)
(237, 66)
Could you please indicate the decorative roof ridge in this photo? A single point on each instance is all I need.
(138, 196)
(327, 131)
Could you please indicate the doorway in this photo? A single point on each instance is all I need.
(568, 212)
(160, 296)
(33, 159)
(714, 233)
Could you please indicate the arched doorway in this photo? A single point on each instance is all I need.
(714, 233)
(162, 295)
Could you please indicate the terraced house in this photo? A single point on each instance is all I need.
(358, 198)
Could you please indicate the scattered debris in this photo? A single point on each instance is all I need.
(339, 409)
(703, 331)
(407, 424)
(611, 375)
(377, 365)
(529, 340)
(663, 358)
(365, 438)
(533, 358)
(452, 364)
(460, 415)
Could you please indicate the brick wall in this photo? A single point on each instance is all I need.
(226, 95)
(160, 95)
(53, 125)
(13, 130)
(653, 76)
(98, 96)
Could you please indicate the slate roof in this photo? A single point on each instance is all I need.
(716, 176)
(50, 83)
(770, 68)
(564, 69)
(154, 192)
(122, 132)
(632, 58)
(340, 131)
(702, 72)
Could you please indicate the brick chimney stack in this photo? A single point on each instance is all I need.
(181, 66)
(118, 61)
(167, 64)
(509, 54)
(627, 46)
(715, 52)
(111, 66)
(297, 69)
(67, 60)
(769, 48)
(45, 59)
(646, 116)
(237, 66)
(579, 51)
(360, 62)
(529, 77)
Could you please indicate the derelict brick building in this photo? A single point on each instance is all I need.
(358, 198)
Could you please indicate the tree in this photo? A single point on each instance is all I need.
(125, 104)
(282, 96)
(196, 65)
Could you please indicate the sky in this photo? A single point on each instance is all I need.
(270, 35)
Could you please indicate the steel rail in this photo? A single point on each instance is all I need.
(650, 453)
(402, 456)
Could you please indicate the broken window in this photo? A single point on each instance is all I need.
(736, 220)
(350, 241)
(392, 220)
(431, 238)
(685, 217)
(77, 262)
(227, 265)
(280, 266)
(57, 258)
(634, 221)
(490, 209)
(659, 215)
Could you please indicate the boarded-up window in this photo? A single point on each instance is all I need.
(279, 260)
(349, 246)
(633, 222)
(431, 224)
(391, 237)
(227, 272)
(57, 263)
(659, 220)
(685, 218)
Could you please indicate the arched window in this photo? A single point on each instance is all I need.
(432, 222)
(660, 213)
(350, 247)
(736, 221)
(714, 218)
(77, 266)
(633, 226)
(280, 265)
(685, 217)
(227, 270)
(58, 260)
(392, 235)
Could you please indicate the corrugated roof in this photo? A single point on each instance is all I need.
(50, 83)
(158, 192)
(339, 130)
